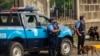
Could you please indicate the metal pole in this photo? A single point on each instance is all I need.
(57, 13)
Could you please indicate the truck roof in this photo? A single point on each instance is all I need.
(21, 13)
(12, 12)
(19, 10)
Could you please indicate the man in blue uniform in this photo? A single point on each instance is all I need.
(53, 31)
(80, 30)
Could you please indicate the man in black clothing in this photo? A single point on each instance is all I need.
(80, 30)
(53, 31)
(91, 33)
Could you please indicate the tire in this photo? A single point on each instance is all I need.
(65, 48)
(15, 49)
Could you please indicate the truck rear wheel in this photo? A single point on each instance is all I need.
(65, 48)
(15, 49)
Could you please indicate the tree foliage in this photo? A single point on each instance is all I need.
(51, 2)
(62, 5)
(6, 4)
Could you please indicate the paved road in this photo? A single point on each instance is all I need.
(74, 52)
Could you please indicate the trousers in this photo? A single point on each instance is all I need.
(81, 40)
(53, 40)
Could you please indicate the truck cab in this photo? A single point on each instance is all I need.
(22, 30)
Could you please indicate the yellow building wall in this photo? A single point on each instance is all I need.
(90, 9)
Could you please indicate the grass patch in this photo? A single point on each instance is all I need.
(75, 39)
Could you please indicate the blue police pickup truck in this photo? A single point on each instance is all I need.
(22, 30)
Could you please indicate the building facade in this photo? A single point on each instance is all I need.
(42, 5)
(90, 9)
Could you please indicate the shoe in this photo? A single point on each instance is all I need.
(79, 53)
(84, 52)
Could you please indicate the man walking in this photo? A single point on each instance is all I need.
(80, 29)
(53, 31)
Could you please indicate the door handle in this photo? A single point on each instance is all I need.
(44, 31)
(29, 30)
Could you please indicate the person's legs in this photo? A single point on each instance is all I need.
(83, 40)
(93, 36)
(50, 52)
(79, 44)
(55, 45)
(90, 37)
(52, 46)
(97, 35)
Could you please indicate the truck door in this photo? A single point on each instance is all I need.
(43, 34)
(31, 30)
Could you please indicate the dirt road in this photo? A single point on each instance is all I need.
(74, 52)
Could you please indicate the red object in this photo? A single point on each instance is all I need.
(14, 9)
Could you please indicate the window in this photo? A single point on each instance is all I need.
(43, 21)
(95, 15)
(92, 7)
(94, 1)
(89, 15)
(98, 1)
(82, 8)
(97, 7)
(84, 1)
(9, 20)
(30, 20)
(89, 1)
(86, 7)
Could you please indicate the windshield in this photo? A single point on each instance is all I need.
(43, 21)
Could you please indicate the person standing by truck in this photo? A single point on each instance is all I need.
(53, 31)
(80, 30)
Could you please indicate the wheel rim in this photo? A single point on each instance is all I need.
(66, 48)
(17, 51)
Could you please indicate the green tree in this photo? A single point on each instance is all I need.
(68, 6)
(62, 5)
(51, 2)
(6, 4)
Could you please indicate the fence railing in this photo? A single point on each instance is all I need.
(70, 22)
(66, 20)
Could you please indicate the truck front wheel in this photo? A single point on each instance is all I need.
(65, 48)
(15, 49)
